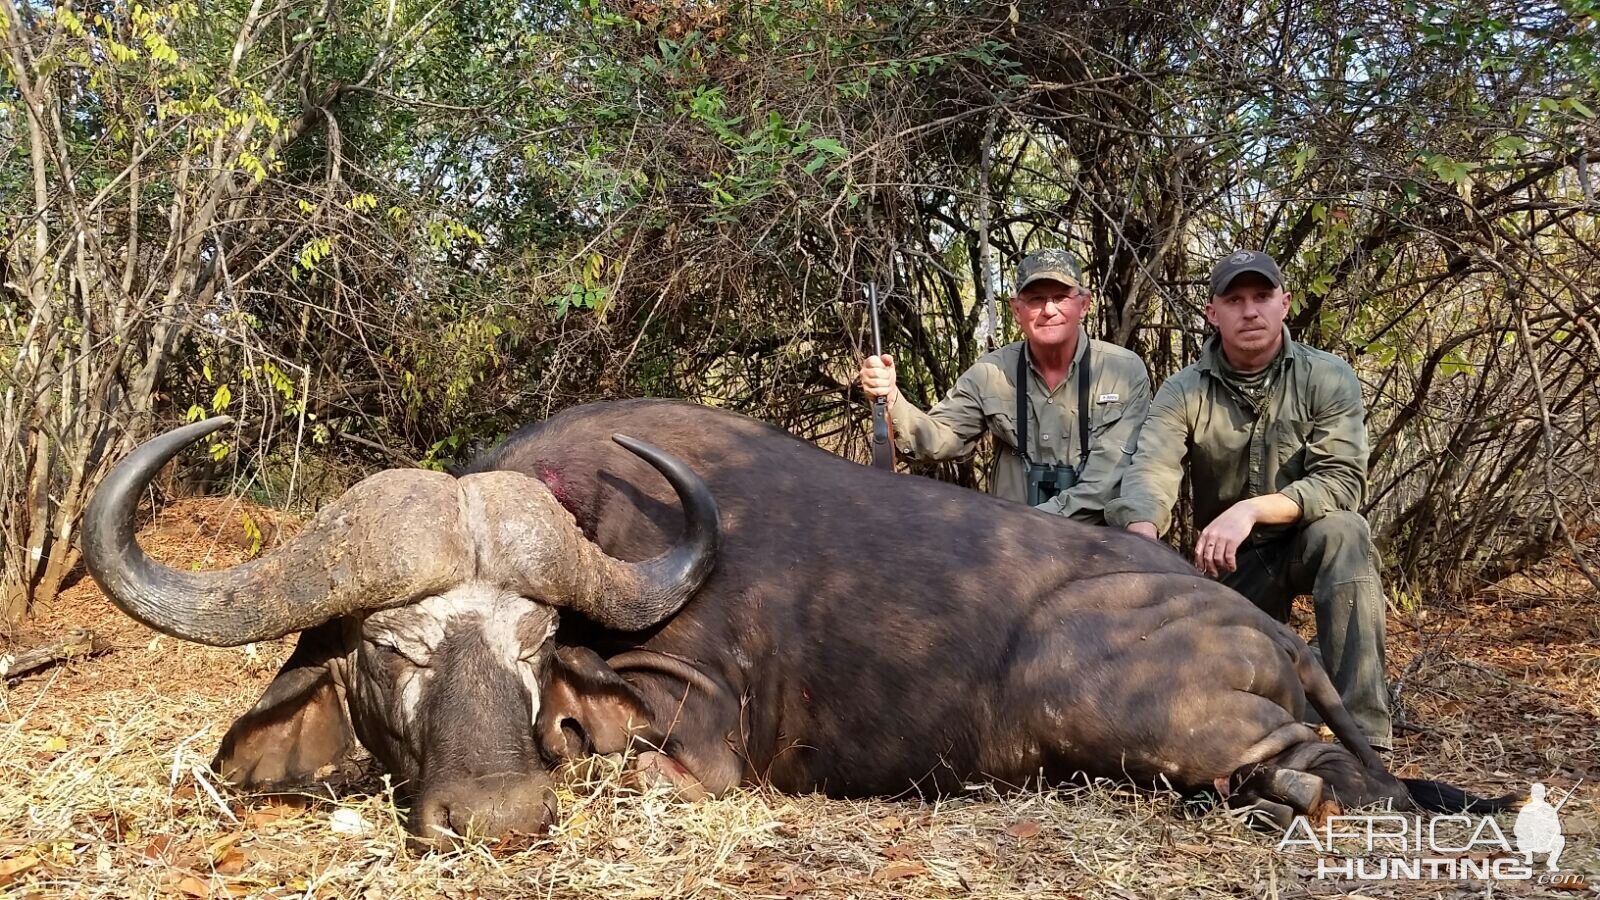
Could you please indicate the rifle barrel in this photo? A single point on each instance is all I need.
(882, 450)
(877, 335)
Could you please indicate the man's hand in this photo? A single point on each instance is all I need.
(1146, 529)
(1216, 550)
(877, 378)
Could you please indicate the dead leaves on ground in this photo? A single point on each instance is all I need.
(899, 870)
(906, 861)
(1024, 829)
(899, 851)
(15, 866)
(195, 868)
(198, 871)
(891, 824)
(204, 871)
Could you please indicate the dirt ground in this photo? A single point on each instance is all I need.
(105, 792)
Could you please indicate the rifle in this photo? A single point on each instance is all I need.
(882, 447)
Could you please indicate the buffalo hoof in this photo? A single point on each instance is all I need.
(1300, 790)
(1265, 815)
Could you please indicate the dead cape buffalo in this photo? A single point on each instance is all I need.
(834, 628)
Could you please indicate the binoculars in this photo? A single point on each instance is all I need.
(1045, 481)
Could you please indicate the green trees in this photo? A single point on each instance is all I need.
(388, 232)
(157, 171)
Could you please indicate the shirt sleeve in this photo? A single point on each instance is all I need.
(1102, 473)
(948, 431)
(1336, 454)
(1150, 485)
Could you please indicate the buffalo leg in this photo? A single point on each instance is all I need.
(1301, 791)
(1316, 772)
(1260, 811)
(1273, 795)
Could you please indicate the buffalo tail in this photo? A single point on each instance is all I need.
(1433, 796)
(1436, 796)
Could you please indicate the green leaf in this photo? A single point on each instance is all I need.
(1448, 170)
(1303, 154)
(221, 399)
(252, 532)
(1454, 363)
(1510, 145)
(830, 146)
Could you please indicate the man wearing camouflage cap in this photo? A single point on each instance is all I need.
(1274, 437)
(1068, 433)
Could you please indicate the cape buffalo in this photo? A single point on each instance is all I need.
(834, 628)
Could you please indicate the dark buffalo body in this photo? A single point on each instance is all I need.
(859, 633)
(873, 633)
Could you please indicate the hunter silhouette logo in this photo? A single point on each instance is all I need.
(1538, 827)
(1409, 847)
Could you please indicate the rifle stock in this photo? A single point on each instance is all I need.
(882, 446)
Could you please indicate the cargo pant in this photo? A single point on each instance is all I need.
(1332, 560)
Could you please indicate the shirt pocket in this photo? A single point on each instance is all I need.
(1287, 445)
(1105, 415)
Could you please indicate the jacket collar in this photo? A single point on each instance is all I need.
(1211, 360)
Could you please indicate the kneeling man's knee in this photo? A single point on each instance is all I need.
(1340, 530)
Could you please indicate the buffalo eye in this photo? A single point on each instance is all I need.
(395, 652)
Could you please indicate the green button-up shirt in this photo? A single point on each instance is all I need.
(1308, 442)
(985, 399)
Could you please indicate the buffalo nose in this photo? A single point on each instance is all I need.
(490, 806)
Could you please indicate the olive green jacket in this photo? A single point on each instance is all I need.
(985, 399)
(1309, 442)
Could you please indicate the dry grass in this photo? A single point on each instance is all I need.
(104, 790)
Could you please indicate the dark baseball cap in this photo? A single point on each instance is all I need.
(1049, 263)
(1241, 262)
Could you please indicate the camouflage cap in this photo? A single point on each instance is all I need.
(1235, 264)
(1049, 264)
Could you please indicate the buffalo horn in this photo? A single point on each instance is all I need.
(535, 546)
(389, 540)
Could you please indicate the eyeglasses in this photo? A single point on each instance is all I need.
(1040, 301)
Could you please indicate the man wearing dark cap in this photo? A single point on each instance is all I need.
(1274, 436)
(1067, 433)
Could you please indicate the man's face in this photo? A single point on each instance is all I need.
(1249, 314)
(1049, 312)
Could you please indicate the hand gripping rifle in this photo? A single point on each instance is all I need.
(882, 446)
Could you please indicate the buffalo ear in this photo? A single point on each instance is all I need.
(586, 707)
(298, 726)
